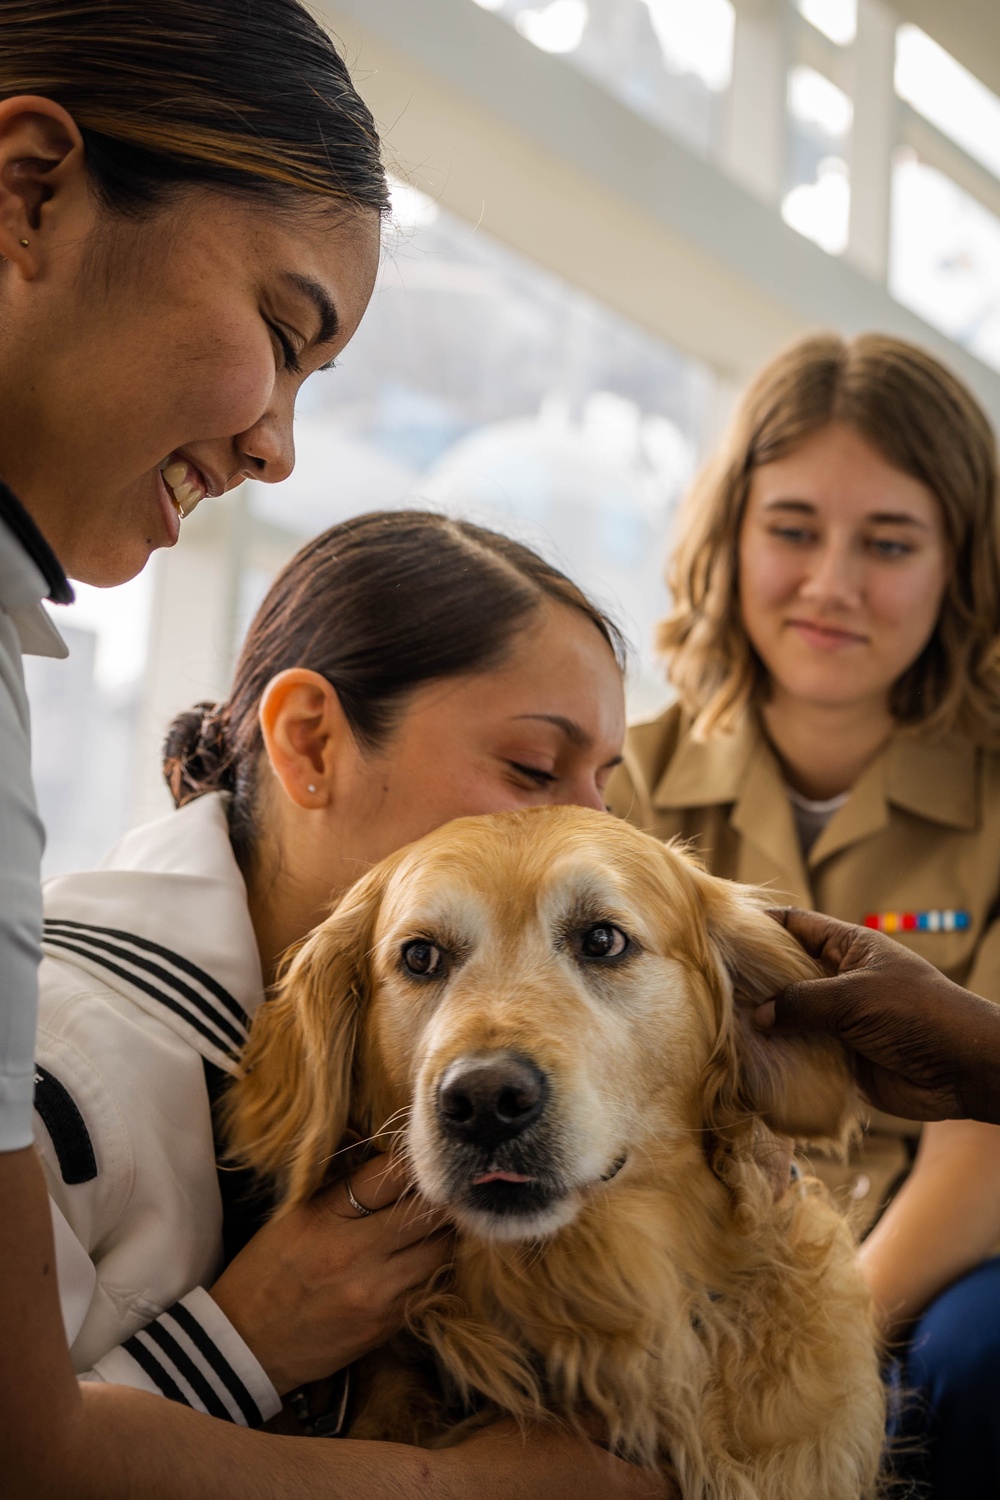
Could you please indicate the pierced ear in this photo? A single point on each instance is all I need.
(41, 153)
(801, 1086)
(288, 1110)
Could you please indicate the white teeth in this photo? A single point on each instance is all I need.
(186, 497)
(183, 493)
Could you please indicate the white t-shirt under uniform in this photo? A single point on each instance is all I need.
(812, 815)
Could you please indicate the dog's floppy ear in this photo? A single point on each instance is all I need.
(288, 1109)
(801, 1086)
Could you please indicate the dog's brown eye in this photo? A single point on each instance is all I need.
(603, 941)
(423, 959)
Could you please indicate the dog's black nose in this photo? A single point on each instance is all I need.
(488, 1100)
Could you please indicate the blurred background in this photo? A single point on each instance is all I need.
(606, 215)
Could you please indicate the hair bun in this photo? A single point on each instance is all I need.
(196, 757)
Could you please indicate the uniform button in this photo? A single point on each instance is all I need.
(861, 1188)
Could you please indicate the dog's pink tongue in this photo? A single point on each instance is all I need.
(500, 1177)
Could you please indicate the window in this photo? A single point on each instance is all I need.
(668, 60)
(818, 197)
(952, 98)
(836, 19)
(483, 386)
(945, 259)
(556, 27)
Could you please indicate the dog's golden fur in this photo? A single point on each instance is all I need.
(702, 1318)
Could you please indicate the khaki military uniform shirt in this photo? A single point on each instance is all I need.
(920, 832)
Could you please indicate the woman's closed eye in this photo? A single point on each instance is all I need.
(289, 354)
(535, 774)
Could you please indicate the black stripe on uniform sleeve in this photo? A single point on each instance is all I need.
(215, 1357)
(67, 1128)
(153, 1368)
(182, 1361)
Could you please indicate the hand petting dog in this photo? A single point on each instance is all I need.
(327, 1266)
(924, 1047)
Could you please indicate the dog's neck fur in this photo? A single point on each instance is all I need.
(635, 1343)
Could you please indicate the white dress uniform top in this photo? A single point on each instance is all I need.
(151, 970)
(29, 573)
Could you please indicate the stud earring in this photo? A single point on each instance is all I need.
(25, 244)
(310, 788)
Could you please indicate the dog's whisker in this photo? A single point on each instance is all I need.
(350, 1146)
(376, 1135)
(397, 1114)
(429, 1213)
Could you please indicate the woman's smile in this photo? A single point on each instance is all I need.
(823, 637)
(187, 484)
(169, 511)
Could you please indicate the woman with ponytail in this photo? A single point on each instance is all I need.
(403, 670)
(190, 203)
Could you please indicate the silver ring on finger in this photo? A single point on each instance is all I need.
(365, 1213)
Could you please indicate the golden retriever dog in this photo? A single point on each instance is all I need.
(547, 1012)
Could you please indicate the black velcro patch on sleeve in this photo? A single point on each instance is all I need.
(66, 1127)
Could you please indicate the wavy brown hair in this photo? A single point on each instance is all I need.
(923, 421)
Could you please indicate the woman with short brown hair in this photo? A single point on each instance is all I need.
(833, 642)
(923, 422)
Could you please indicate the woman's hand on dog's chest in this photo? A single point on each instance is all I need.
(322, 1285)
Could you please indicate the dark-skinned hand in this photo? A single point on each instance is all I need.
(924, 1047)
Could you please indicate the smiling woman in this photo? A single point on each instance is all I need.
(834, 644)
(190, 200)
(884, 410)
(843, 562)
(176, 247)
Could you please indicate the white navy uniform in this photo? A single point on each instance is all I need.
(29, 573)
(151, 971)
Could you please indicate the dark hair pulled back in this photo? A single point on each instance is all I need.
(250, 96)
(379, 606)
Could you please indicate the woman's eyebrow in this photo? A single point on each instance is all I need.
(573, 731)
(879, 517)
(897, 518)
(804, 507)
(329, 318)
